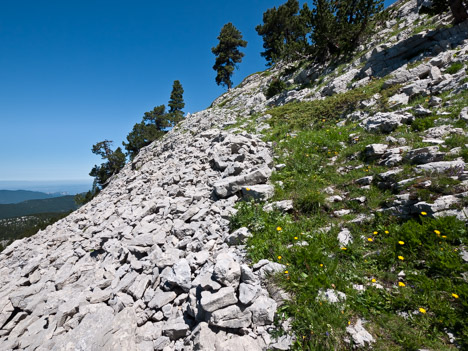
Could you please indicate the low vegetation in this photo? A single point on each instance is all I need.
(404, 277)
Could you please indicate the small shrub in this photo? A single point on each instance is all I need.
(309, 202)
(276, 87)
(454, 67)
(421, 124)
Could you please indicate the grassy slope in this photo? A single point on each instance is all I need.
(404, 312)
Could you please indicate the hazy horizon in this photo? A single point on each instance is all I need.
(71, 187)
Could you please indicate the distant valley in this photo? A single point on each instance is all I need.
(16, 196)
(23, 213)
(56, 204)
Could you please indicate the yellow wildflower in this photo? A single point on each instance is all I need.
(279, 257)
(295, 238)
(423, 213)
(401, 242)
(321, 264)
(286, 272)
(401, 284)
(422, 310)
(401, 258)
(344, 248)
(386, 232)
(444, 236)
(247, 189)
(455, 295)
(437, 232)
(373, 280)
(279, 229)
(370, 239)
(375, 233)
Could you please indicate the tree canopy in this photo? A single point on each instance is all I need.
(284, 32)
(330, 28)
(228, 54)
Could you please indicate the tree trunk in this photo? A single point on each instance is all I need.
(458, 9)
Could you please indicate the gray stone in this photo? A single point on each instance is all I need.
(282, 206)
(345, 237)
(361, 337)
(239, 236)
(385, 122)
(214, 301)
(464, 114)
(231, 317)
(176, 329)
(231, 185)
(425, 155)
(455, 166)
(241, 343)
(161, 298)
(399, 99)
(247, 293)
(375, 151)
(261, 192)
(179, 275)
(100, 296)
(330, 295)
(227, 271)
(161, 342)
(263, 310)
(269, 268)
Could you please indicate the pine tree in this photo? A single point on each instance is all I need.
(459, 10)
(228, 54)
(154, 125)
(176, 103)
(284, 32)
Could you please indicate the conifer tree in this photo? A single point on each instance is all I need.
(284, 32)
(154, 125)
(228, 54)
(459, 10)
(339, 26)
(176, 103)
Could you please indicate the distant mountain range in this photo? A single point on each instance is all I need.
(54, 204)
(17, 196)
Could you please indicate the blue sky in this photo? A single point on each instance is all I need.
(76, 72)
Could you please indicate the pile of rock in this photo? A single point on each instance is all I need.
(150, 264)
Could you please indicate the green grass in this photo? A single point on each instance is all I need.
(454, 67)
(318, 154)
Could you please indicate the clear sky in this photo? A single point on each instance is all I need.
(76, 72)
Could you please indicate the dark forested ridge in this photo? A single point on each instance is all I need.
(57, 204)
(17, 196)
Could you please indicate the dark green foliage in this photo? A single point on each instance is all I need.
(284, 32)
(331, 28)
(421, 124)
(459, 10)
(115, 160)
(276, 86)
(228, 54)
(152, 127)
(438, 6)
(176, 104)
(56, 204)
(21, 227)
(338, 26)
(454, 67)
(309, 202)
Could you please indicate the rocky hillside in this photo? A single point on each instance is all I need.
(159, 260)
